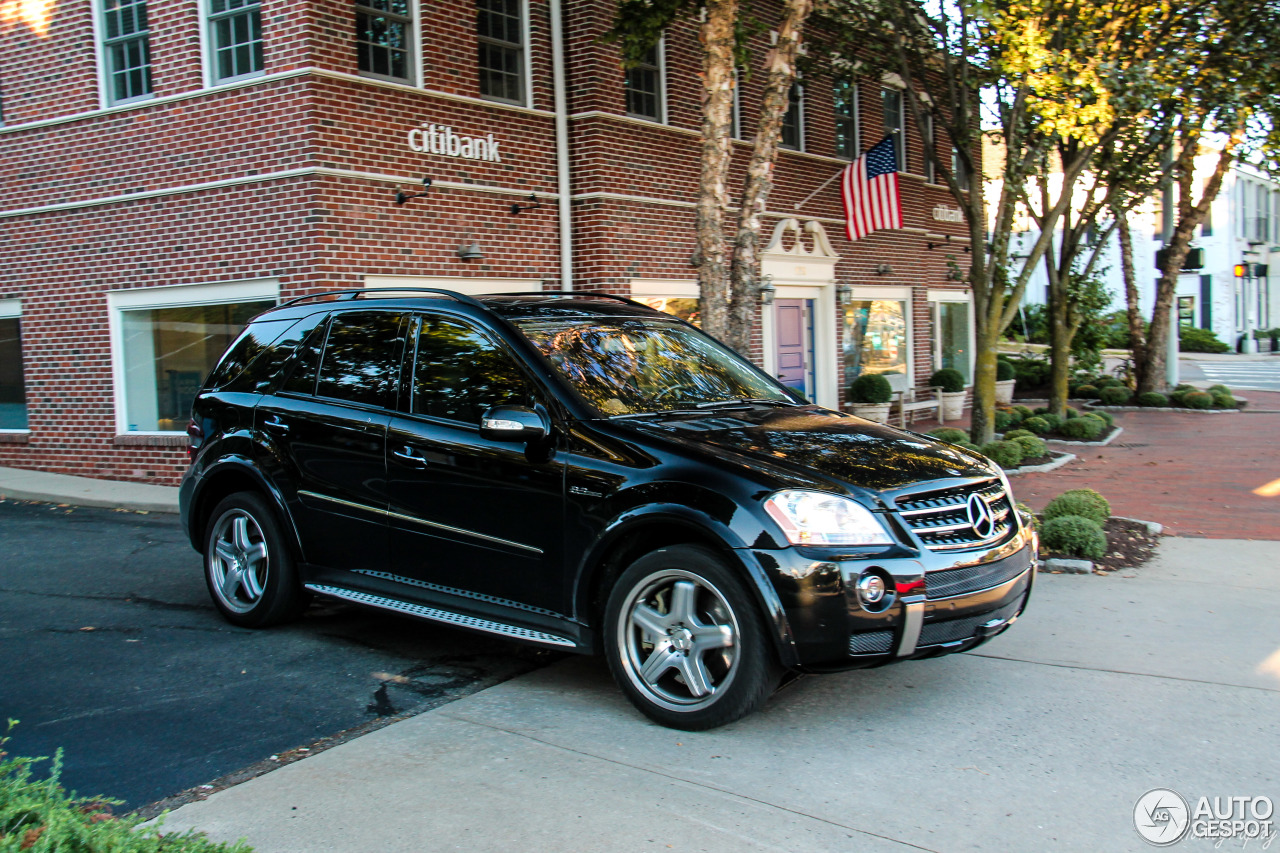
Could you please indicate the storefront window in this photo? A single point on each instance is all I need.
(167, 354)
(875, 337)
(953, 337)
(683, 307)
(13, 395)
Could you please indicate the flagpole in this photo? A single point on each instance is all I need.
(825, 184)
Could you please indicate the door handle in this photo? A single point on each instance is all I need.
(410, 458)
(277, 426)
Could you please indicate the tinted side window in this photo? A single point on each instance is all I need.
(460, 372)
(302, 380)
(263, 368)
(361, 361)
(253, 341)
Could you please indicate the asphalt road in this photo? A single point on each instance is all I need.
(111, 650)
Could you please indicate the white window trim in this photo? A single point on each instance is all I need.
(935, 345)
(416, 65)
(11, 309)
(662, 87)
(526, 59)
(100, 56)
(169, 296)
(895, 294)
(465, 286)
(206, 50)
(902, 117)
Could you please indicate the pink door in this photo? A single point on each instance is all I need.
(793, 324)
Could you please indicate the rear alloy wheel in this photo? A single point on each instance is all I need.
(685, 640)
(248, 568)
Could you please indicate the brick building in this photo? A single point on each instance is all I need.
(171, 167)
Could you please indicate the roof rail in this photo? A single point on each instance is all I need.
(571, 294)
(357, 293)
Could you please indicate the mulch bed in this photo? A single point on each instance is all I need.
(1129, 545)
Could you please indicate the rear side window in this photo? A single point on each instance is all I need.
(253, 342)
(251, 365)
(459, 372)
(361, 361)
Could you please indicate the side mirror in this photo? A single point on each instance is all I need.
(514, 423)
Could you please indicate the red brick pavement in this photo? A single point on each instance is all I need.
(1194, 473)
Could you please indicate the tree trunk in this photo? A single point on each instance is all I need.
(1133, 302)
(1060, 334)
(712, 253)
(780, 68)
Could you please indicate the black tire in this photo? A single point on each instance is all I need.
(248, 565)
(685, 640)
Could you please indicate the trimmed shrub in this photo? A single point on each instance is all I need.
(1082, 429)
(948, 379)
(1107, 417)
(1191, 339)
(1087, 392)
(1222, 401)
(1106, 382)
(1178, 398)
(870, 388)
(1212, 388)
(1068, 413)
(1036, 424)
(1006, 454)
(1051, 419)
(951, 435)
(1018, 433)
(1032, 446)
(1031, 372)
(1083, 502)
(1197, 400)
(1151, 398)
(1182, 386)
(1004, 370)
(1024, 411)
(1114, 395)
(1074, 535)
(1006, 418)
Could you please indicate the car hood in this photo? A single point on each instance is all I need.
(801, 441)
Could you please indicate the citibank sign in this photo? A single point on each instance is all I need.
(942, 213)
(440, 139)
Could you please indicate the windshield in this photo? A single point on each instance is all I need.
(625, 366)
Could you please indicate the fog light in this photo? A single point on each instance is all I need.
(871, 591)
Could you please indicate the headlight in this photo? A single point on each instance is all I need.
(817, 518)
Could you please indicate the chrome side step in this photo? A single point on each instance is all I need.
(436, 615)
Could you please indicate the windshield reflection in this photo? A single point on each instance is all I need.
(634, 366)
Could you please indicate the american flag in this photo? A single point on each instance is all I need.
(869, 186)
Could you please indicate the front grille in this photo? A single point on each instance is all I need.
(941, 518)
(870, 643)
(971, 578)
(955, 630)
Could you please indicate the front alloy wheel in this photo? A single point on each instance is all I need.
(687, 645)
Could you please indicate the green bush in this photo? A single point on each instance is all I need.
(1197, 400)
(1068, 412)
(1152, 398)
(1006, 418)
(1086, 392)
(1222, 401)
(1177, 398)
(1032, 447)
(1074, 535)
(1018, 433)
(1004, 370)
(1084, 502)
(1082, 429)
(951, 435)
(1036, 424)
(870, 388)
(1006, 454)
(948, 379)
(1025, 411)
(1212, 388)
(1031, 371)
(1051, 419)
(1107, 418)
(39, 815)
(1106, 382)
(1114, 395)
(1191, 339)
(968, 445)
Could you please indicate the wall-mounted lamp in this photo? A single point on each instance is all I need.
(517, 208)
(884, 269)
(844, 293)
(402, 197)
(767, 291)
(470, 252)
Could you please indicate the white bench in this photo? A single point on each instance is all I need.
(905, 399)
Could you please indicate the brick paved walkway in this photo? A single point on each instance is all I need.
(1195, 474)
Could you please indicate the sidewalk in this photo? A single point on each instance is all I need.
(20, 484)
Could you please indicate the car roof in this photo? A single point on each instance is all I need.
(508, 306)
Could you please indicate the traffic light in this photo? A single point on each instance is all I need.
(1242, 270)
(1251, 270)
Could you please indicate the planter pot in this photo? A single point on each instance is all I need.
(878, 412)
(1004, 392)
(952, 405)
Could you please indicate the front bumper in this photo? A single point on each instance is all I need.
(937, 605)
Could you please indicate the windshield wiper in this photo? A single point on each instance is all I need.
(747, 401)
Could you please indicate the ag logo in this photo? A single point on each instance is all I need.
(1161, 817)
(980, 517)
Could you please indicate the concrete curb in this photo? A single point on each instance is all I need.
(1066, 567)
(1110, 438)
(1063, 459)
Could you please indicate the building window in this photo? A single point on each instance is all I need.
(959, 169)
(930, 164)
(845, 96)
(384, 38)
(127, 49)
(644, 86)
(735, 119)
(235, 30)
(165, 341)
(500, 28)
(875, 337)
(13, 393)
(953, 344)
(793, 121)
(894, 124)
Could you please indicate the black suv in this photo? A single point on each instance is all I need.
(589, 474)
